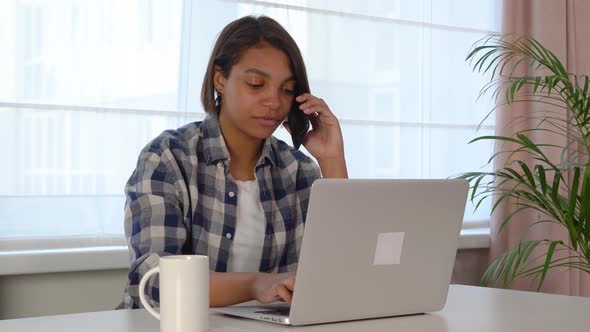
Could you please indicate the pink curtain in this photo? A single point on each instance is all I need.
(563, 26)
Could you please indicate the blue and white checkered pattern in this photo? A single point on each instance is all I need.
(182, 200)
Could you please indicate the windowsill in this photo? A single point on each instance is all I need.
(117, 257)
(475, 238)
(63, 260)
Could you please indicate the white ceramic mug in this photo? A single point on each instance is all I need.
(184, 293)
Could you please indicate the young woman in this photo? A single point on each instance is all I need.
(225, 187)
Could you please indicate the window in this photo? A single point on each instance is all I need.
(86, 84)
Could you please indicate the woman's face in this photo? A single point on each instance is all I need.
(258, 93)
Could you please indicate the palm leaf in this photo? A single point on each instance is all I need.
(558, 189)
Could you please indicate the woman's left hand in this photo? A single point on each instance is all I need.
(324, 141)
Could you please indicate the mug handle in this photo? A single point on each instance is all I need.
(142, 297)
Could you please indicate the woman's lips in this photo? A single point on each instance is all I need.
(267, 122)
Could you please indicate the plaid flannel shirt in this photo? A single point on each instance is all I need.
(181, 200)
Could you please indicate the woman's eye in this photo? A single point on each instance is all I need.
(255, 85)
(288, 91)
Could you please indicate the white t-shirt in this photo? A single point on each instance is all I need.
(246, 251)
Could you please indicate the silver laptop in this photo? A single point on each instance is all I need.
(372, 248)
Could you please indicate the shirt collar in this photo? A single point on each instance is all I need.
(215, 149)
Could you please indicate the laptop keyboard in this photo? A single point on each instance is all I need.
(283, 312)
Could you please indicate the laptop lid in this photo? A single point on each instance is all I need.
(377, 248)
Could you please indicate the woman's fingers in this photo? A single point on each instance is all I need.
(303, 97)
(317, 111)
(290, 283)
(316, 107)
(307, 99)
(313, 104)
(285, 294)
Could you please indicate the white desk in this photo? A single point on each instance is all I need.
(468, 309)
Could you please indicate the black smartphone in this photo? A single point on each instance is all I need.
(298, 125)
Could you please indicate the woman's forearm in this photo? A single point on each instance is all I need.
(230, 288)
(333, 168)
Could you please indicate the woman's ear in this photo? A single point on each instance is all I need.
(218, 80)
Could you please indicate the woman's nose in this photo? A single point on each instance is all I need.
(272, 99)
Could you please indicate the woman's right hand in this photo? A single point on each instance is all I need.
(271, 287)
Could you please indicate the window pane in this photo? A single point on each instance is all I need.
(70, 167)
(481, 14)
(392, 71)
(105, 53)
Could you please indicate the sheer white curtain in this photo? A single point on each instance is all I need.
(86, 84)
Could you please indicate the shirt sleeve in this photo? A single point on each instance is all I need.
(154, 222)
(308, 171)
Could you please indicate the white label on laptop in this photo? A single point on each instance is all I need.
(389, 248)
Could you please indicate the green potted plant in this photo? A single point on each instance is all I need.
(558, 190)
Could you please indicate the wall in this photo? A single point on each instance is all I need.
(59, 293)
